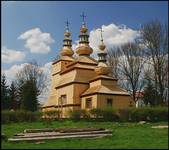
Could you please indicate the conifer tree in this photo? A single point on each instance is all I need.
(5, 103)
(14, 96)
(151, 96)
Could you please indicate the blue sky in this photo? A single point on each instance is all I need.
(34, 29)
(49, 17)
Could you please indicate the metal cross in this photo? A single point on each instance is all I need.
(67, 24)
(101, 31)
(83, 18)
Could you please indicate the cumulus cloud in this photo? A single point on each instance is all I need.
(10, 55)
(11, 72)
(37, 41)
(113, 35)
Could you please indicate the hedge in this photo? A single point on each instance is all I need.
(8, 116)
(151, 114)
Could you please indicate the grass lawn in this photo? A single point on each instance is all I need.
(125, 136)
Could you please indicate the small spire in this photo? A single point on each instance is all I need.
(67, 25)
(101, 31)
(83, 19)
(101, 46)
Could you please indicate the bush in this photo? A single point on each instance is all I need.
(19, 116)
(144, 114)
(125, 114)
(78, 114)
(52, 114)
(110, 115)
(96, 113)
(158, 114)
(140, 114)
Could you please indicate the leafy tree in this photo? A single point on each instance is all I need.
(5, 102)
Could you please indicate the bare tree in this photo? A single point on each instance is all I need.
(155, 38)
(131, 67)
(113, 60)
(33, 71)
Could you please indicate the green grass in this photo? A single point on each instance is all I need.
(125, 136)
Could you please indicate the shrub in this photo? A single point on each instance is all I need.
(144, 114)
(125, 114)
(52, 114)
(77, 114)
(110, 115)
(8, 116)
(96, 113)
(139, 114)
(158, 114)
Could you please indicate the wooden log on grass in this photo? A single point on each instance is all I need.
(59, 137)
(61, 130)
(46, 134)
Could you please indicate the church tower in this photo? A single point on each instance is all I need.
(84, 49)
(65, 58)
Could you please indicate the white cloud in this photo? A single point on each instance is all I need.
(11, 72)
(37, 41)
(10, 55)
(113, 35)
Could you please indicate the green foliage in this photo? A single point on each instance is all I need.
(14, 99)
(5, 100)
(49, 116)
(151, 114)
(139, 114)
(109, 114)
(53, 114)
(125, 114)
(158, 114)
(19, 116)
(78, 114)
(29, 95)
(151, 96)
(96, 113)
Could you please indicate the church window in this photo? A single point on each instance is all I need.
(109, 102)
(130, 105)
(89, 103)
(63, 99)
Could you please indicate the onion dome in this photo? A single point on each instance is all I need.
(102, 70)
(83, 47)
(67, 43)
(102, 46)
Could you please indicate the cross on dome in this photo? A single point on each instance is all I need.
(83, 18)
(67, 25)
(101, 31)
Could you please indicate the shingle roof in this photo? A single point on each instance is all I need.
(104, 90)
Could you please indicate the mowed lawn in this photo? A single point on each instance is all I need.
(125, 136)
